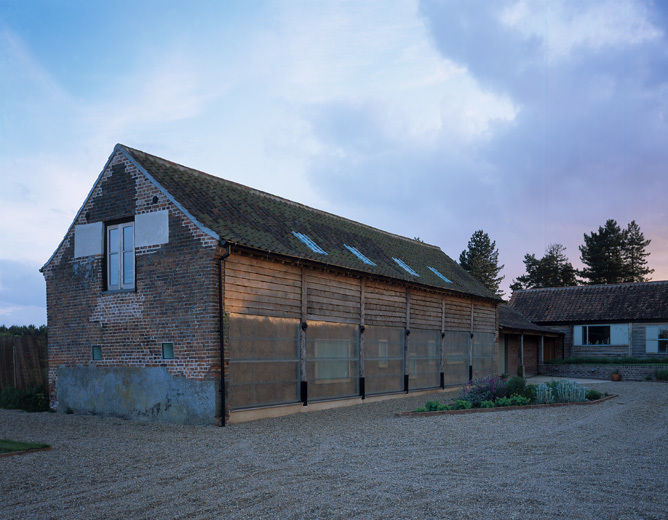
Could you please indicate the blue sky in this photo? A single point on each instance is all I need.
(535, 121)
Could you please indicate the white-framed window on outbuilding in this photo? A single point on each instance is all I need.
(120, 256)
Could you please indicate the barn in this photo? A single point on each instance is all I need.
(180, 296)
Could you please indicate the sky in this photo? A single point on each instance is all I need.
(533, 120)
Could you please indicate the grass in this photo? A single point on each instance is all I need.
(608, 361)
(7, 446)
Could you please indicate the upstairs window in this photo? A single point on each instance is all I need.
(437, 273)
(405, 267)
(121, 256)
(359, 255)
(310, 243)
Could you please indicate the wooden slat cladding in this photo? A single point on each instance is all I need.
(332, 297)
(255, 286)
(484, 318)
(425, 310)
(385, 304)
(457, 314)
(263, 288)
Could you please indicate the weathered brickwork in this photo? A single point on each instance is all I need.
(175, 298)
(628, 372)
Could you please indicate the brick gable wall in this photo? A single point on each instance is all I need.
(176, 297)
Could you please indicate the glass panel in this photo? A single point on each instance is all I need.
(113, 240)
(168, 350)
(114, 262)
(332, 359)
(264, 361)
(128, 239)
(584, 335)
(383, 359)
(599, 335)
(128, 268)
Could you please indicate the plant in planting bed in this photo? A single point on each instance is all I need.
(483, 389)
(661, 375)
(544, 394)
(593, 395)
(516, 385)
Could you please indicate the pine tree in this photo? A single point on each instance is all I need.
(602, 254)
(553, 270)
(481, 260)
(634, 254)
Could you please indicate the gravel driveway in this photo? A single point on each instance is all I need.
(603, 461)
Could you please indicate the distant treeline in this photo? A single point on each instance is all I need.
(611, 254)
(22, 330)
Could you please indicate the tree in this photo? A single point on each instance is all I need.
(553, 270)
(603, 254)
(634, 254)
(481, 260)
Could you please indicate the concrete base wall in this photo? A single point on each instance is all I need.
(151, 394)
(628, 372)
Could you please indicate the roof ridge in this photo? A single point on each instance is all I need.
(281, 199)
(597, 285)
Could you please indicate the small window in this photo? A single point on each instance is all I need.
(437, 273)
(404, 266)
(596, 335)
(332, 361)
(168, 351)
(662, 347)
(383, 357)
(96, 353)
(120, 256)
(359, 255)
(310, 243)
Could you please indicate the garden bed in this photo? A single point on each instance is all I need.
(500, 408)
(9, 448)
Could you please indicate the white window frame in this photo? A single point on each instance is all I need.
(121, 285)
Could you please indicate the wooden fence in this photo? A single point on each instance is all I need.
(23, 361)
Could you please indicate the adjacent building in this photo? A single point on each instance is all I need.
(179, 296)
(629, 319)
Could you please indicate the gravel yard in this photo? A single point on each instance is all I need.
(602, 461)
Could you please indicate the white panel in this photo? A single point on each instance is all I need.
(88, 239)
(652, 338)
(577, 335)
(152, 228)
(619, 334)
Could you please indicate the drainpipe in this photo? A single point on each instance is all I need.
(221, 334)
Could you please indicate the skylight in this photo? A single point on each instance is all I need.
(359, 255)
(437, 273)
(310, 243)
(404, 266)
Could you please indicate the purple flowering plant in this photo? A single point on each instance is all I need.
(484, 389)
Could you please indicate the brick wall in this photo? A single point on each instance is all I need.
(175, 300)
(628, 372)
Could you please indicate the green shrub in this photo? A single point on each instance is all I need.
(487, 404)
(519, 400)
(444, 407)
(432, 406)
(516, 385)
(593, 395)
(31, 400)
(503, 401)
(530, 393)
(421, 409)
(460, 404)
(661, 375)
(607, 361)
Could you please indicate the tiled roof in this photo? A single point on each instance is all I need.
(259, 220)
(510, 318)
(614, 302)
